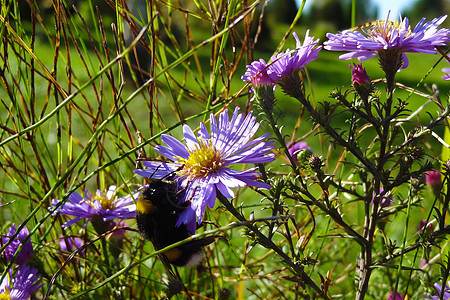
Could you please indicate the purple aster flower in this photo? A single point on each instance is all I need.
(385, 201)
(22, 286)
(295, 148)
(284, 66)
(445, 292)
(286, 63)
(203, 164)
(263, 87)
(394, 38)
(257, 74)
(70, 244)
(104, 206)
(25, 253)
(398, 296)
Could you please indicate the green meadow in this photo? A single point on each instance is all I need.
(74, 117)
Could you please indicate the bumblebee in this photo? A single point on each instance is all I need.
(157, 212)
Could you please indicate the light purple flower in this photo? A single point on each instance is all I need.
(257, 73)
(446, 292)
(295, 148)
(388, 35)
(25, 253)
(22, 286)
(285, 63)
(103, 205)
(203, 164)
(70, 244)
(262, 85)
(447, 75)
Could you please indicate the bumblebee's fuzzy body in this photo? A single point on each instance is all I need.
(157, 212)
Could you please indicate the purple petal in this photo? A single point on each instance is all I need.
(190, 139)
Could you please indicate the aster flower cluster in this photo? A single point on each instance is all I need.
(211, 163)
(202, 166)
(388, 40)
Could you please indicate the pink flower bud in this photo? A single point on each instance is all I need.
(433, 179)
(361, 81)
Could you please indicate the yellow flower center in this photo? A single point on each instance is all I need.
(5, 295)
(104, 201)
(201, 162)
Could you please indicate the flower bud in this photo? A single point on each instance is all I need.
(397, 296)
(433, 179)
(425, 227)
(296, 148)
(265, 96)
(315, 162)
(361, 81)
